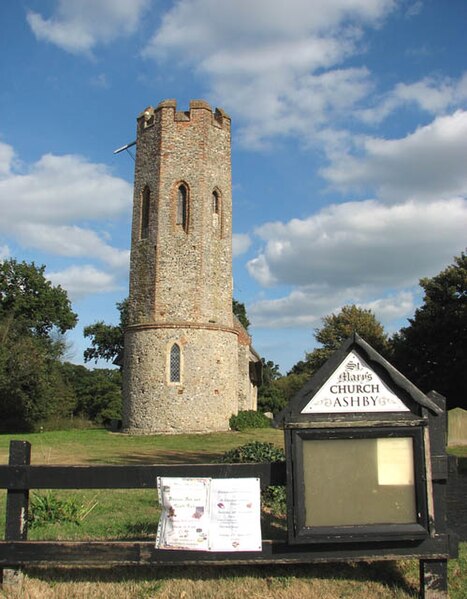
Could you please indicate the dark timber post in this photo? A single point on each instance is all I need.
(434, 579)
(434, 573)
(16, 526)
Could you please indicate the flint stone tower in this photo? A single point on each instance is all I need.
(187, 358)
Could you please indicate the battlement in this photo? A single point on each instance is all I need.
(219, 118)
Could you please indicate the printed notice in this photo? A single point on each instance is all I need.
(235, 515)
(184, 520)
(395, 461)
(204, 514)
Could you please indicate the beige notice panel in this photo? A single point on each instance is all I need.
(359, 482)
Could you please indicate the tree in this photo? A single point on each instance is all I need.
(270, 371)
(106, 339)
(336, 329)
(270, 396)
(239, 311)
(432, 350)
(32, 313)
(98, 392)
(31, 302)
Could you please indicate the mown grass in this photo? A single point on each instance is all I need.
(133, 515)
(96, 446)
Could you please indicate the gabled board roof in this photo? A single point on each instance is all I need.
(400, 395)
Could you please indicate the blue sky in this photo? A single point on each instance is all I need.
(349, 147)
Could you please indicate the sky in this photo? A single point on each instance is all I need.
(349, 147)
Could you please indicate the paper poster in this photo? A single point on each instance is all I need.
(184, 522)
(395, 461)
(235, 515)
(204, 514)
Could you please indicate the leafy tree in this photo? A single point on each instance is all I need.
(351, 319)
(31, 302)
(432, 350)
(239, 311)
(98, 392)
(335, 330)
(270, 371)
(107, 339)
(270, 396)
(32, 313)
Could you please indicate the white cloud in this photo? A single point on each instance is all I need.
(80, 281)
(42, 206)
(72, 241)
(427, 164)
(4, 252)
(392, 308)
(432, 95)
(7, 157)
(273, 63)
(240, 243)
(78, 25)
(305, 307)
(361, 243)
(354, 253)
(59, 189)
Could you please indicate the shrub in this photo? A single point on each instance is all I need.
(254, 452)
(49, 509)
(248, 419)
(274, 496)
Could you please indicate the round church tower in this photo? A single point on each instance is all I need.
(181, 352)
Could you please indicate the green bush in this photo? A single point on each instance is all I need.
(248, 419)
(254, 452)
(274, 496)
(49, 509)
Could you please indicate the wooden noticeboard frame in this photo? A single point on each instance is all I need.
(298, 530)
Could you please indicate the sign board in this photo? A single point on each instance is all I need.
(204, 514)
(354, 387)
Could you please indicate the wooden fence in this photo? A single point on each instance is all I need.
(18, 477)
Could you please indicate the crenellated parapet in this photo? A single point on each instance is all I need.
(199, 109)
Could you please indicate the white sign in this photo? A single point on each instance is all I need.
(204, 514)
(354, 387)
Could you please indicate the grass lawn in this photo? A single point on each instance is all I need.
(133, 514)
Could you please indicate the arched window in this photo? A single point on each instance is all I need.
(145, 204)
(175, 364)
(216, 203)
(216, 209)
(182, 207)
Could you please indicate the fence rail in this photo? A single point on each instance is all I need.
(22, 477)
(16, 551)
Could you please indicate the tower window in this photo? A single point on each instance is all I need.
(215, 202)
(175, 364)
(182, 207)
(216, 209)
(145, 204)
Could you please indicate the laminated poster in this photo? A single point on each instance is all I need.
(205, 514)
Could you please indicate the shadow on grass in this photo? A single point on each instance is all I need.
(140, 530)
(388, 573)
(159, 458)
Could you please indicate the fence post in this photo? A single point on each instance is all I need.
(17, 502)
(434, 579)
